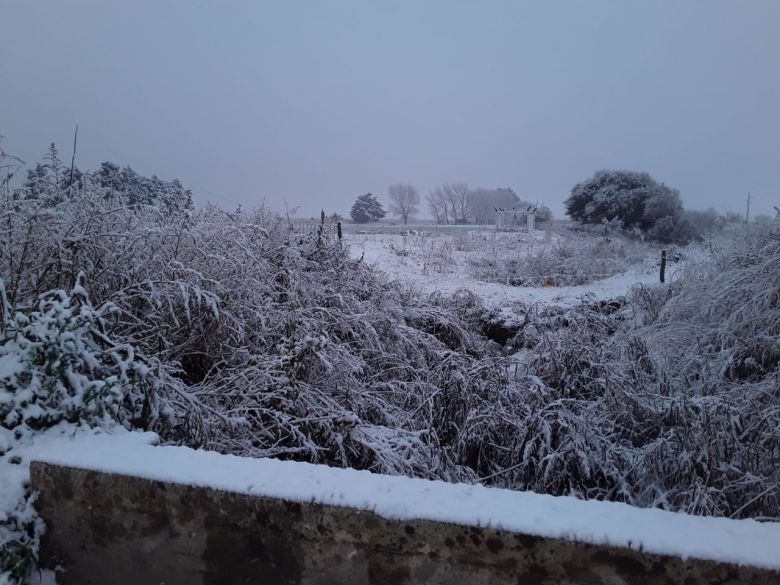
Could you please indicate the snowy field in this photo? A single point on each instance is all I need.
(473, 260)
(240, 339)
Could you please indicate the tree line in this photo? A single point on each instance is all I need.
(630, 201)
(51, 182)
(450, 203)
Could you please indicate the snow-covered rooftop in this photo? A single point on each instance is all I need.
(399, 498)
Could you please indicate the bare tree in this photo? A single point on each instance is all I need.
(439, 205)
(9, 166)
(404, 201)
(457, 197)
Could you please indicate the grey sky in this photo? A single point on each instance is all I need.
(317, 102)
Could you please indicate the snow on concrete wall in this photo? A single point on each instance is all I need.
(117, 503)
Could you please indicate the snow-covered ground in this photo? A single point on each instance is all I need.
(744, 542)
(434, 263)
(440, 263)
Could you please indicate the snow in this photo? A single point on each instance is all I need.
(745, 542)
(499, 295)
(15, 477)
(10, 365)
(42, 577)
(420, 269)
(15, 466)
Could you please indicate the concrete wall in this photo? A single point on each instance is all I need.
(121, 530)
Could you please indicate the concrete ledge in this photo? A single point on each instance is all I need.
(109, 528)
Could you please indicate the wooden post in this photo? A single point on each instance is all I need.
(338, 230)
(663, 266)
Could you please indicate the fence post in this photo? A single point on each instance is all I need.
(338, 230)
(663, 266)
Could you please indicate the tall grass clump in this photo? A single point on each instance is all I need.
(672, 401)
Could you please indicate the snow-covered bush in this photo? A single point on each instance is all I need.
(57, 364)
(672, 400)
(672, 230)
(635, 200)
(20, 533)
(49, 183)
(705, 222)
(287, 347)
(438, 257)
(566, 264)
(237, 333)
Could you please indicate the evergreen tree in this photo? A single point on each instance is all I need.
(366, 209)
(44, 181)
(134, 189)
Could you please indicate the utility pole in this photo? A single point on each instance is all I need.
(73, 159)
(747, 213)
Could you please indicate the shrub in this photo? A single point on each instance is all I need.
(565, 264)
(672, 230)
(238, 334)
(671, 401)
(57, 364)
(267, 342)
(636, 200)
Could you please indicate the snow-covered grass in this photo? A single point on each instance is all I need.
(671, 400)
(559, 267)
(742, 542)
(249, 338)
(607, 396)
(237, 334)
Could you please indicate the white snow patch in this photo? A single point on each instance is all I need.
(42, 577)
(10, 365)
(745, 542)
(415, 268)
(15, 465)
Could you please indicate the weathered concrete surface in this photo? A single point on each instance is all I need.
(121, 530)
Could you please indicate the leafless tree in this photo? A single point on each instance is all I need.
(438, 205)
(457, 197)
(9, 166)
(404, 200)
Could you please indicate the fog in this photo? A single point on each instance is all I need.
(306, 105)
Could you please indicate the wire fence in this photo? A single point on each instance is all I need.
(415, 229)
(329, 231)
(518, 258)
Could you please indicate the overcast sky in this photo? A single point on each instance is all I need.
(314, 103)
